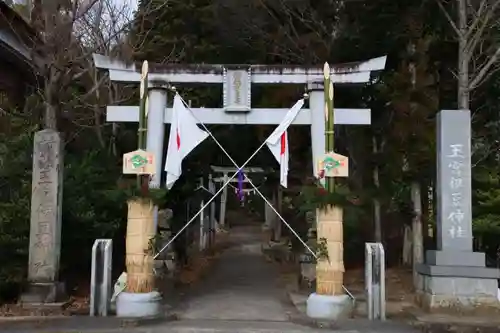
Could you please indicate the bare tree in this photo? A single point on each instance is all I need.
(66, 35)
(56, 50)
(475, 25)
(295, 31)
(104, 30)
(377, 217)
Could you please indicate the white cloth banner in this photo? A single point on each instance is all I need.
(185, 135)
(278, 141)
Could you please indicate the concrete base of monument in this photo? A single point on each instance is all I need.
(459, 304)
(139, 305)
(44, 293)
(326, 307)
(459, 289)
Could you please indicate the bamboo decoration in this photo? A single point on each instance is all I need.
(330, 271)
(329, 120)
(142, 131)
(140, 223)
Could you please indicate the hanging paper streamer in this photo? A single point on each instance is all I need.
(240, 185)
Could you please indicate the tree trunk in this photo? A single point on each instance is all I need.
(463, 58)
(112, 92)
(50, 112)
(279, 208)
(407, 246)
(49, 115)
(50, 119)
(418, 248)
(376, 202)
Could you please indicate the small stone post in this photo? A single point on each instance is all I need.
(45, 228)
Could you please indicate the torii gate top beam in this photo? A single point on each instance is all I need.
(354, 72)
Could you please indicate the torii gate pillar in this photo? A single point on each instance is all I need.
(157, 103)
(316, 104)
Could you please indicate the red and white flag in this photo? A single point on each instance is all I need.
(185, 135)
(278, 141)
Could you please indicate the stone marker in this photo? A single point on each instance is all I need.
(45, 227)
(375, 281)
(454, 275)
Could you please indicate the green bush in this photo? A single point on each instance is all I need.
(87, 213)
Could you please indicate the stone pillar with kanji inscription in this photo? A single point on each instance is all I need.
(45, 226)
(455, 277)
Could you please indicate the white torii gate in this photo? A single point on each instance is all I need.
(237, 81)
(225, 171)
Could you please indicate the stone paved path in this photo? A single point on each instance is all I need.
(239, 295)
(242, 285)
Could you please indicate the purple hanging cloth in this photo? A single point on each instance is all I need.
(240, 185)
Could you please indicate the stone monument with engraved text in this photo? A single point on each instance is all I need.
(454, 276)
(45, 225)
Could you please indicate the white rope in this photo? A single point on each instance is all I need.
(228, 183)
(216, 193)
(251, 183)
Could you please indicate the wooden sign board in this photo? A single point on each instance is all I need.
(139, 162)
(333, 165)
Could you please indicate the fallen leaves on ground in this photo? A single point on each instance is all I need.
(18, 310)
(201, 262)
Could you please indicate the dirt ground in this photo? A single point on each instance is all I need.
(78, 302)
(398, 282)
(399, 288)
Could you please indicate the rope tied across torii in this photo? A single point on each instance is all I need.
(185, 122)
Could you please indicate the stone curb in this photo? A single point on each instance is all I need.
(13, 319)
(85, 323)
(426, 327)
